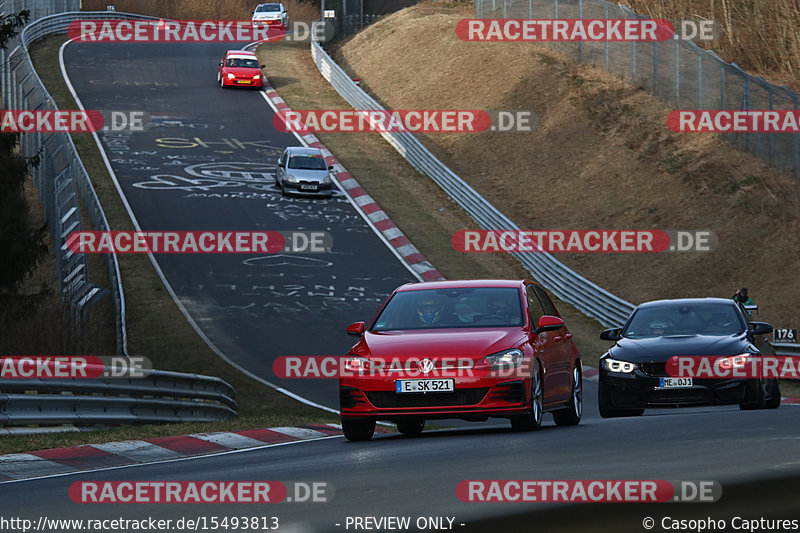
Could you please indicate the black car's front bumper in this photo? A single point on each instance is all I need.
(640, 389)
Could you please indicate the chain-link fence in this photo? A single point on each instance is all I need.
(678, 71)
(346, 25)
(65, 190)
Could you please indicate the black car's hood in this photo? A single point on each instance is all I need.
(660, 349)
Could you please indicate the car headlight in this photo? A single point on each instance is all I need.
(291, 179)
(356, 364)
(230, 76)
(327, 180)
(734, 361)
(501, 360)
(257, 77)
(621, 367)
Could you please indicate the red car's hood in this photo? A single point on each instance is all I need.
(242, 72)
(438, 343)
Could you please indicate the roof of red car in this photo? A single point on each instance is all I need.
(450, 284)
(242, 53)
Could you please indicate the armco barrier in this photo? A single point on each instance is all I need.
(159, 397)
(608, 309)
(64, 186)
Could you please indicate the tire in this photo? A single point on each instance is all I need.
(757, 401)
(571, 416)
(533, 419)
(775, 396)
(358, 430)
(607, 409)
(222, 82)
(410, 428)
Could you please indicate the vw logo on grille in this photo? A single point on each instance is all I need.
(426, 365)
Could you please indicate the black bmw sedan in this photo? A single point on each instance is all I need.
(633, 373)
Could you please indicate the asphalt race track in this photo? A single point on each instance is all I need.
(417, 477)
(254, 309)
(207, 163)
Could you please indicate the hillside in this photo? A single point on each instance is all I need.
(602, 157)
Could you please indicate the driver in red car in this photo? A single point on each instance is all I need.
(429, 311)
(500, 307)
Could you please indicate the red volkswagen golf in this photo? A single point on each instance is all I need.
(461, 349)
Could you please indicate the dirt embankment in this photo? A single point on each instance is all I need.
(602, 157)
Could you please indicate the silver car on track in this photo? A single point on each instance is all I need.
(304, 171)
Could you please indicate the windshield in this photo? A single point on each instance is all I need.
(242, 63)
(452, 308)
(691, 319)
(268, 8)
(307, 162)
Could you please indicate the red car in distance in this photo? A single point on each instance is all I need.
(240, 68)
(469, 349)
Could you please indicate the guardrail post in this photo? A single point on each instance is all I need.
(655, 68)
(677, 73)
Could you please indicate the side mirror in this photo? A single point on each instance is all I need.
(549, 323)
(263, 66)
(356, 329)
(760, 328)
(613, 334)
(330, 167)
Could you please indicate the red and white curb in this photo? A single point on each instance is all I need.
(364, 202)
(17, 466)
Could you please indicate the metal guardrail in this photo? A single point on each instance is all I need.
(677, 71)
(64, 188)
(592, 300)
(160, 397)
(786, 349)
(63, 183)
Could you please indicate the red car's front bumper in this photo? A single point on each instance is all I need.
(475, 398)
(244, 82)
